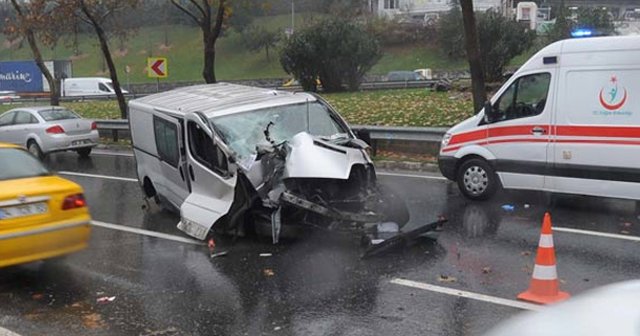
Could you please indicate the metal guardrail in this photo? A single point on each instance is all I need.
(115, 127)
(375, 133)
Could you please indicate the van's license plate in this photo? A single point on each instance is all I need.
(23, 210)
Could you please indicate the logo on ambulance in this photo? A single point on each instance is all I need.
(610, 96)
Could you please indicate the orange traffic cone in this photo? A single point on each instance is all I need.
(544, 283)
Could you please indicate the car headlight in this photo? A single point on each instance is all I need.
(445, 140)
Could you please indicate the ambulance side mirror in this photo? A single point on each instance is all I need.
(489, 116)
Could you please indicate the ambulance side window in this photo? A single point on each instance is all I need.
(526, 97)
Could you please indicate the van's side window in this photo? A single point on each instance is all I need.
(103, 88)
(203, 149)
(166, 134)
(526, 97)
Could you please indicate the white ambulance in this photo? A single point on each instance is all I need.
(568, 121)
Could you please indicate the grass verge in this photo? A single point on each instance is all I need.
(402, 107)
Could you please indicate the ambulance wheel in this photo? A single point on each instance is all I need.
(477, 180)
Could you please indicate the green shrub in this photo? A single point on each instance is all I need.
(337, 52)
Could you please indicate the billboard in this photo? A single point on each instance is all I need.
(20, 76)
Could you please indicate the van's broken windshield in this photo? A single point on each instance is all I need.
(243, 131)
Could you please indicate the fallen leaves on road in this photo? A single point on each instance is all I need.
(37, 296)
(93, 321)
(486, 270)
(525, 253)
(447, 278)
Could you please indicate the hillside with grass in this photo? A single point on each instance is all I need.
(184, 53)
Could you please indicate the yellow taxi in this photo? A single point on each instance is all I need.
(41, 215)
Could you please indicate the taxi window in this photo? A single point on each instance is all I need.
(17, 163)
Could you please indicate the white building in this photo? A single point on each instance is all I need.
(426, 8)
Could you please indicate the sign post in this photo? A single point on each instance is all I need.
(157, 68)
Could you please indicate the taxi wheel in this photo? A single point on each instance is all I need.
(34, 149)
(477, 180)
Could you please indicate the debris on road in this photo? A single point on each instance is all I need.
(268, 272)
(486, 270)
(265, 255)
(389, 242)
(219, 254)
(447, 278)
(525, 253)
(527, 206)
(105, 299)
(508, 207)
(37, 296)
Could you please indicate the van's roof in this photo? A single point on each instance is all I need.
(219, 99)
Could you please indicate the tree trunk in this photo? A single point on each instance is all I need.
(473, 54)
(209, 71)
(37, 57)
(104, 46)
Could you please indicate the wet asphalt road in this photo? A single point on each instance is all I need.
(312, 286)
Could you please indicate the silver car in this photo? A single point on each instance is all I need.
(46, 129)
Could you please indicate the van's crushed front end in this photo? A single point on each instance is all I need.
(311, 183)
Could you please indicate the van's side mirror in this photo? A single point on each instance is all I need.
(364, 135)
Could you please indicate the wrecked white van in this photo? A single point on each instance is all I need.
(234, 158)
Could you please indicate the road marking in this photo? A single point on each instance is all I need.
(428, 177)
(468, 295)
(126, 179)
(597, 234)
(146, 232)
(110, 153)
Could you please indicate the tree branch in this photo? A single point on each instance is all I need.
(217, 29)
(188, 12)
(197, 5)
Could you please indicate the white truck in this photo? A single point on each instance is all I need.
(568, 121)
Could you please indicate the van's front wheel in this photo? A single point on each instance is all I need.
(477, 180)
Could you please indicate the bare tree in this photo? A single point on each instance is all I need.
(101, 15)
(473, 54)
(211, 24)
(33, 22)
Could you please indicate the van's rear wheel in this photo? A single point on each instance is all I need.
(477, 180)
